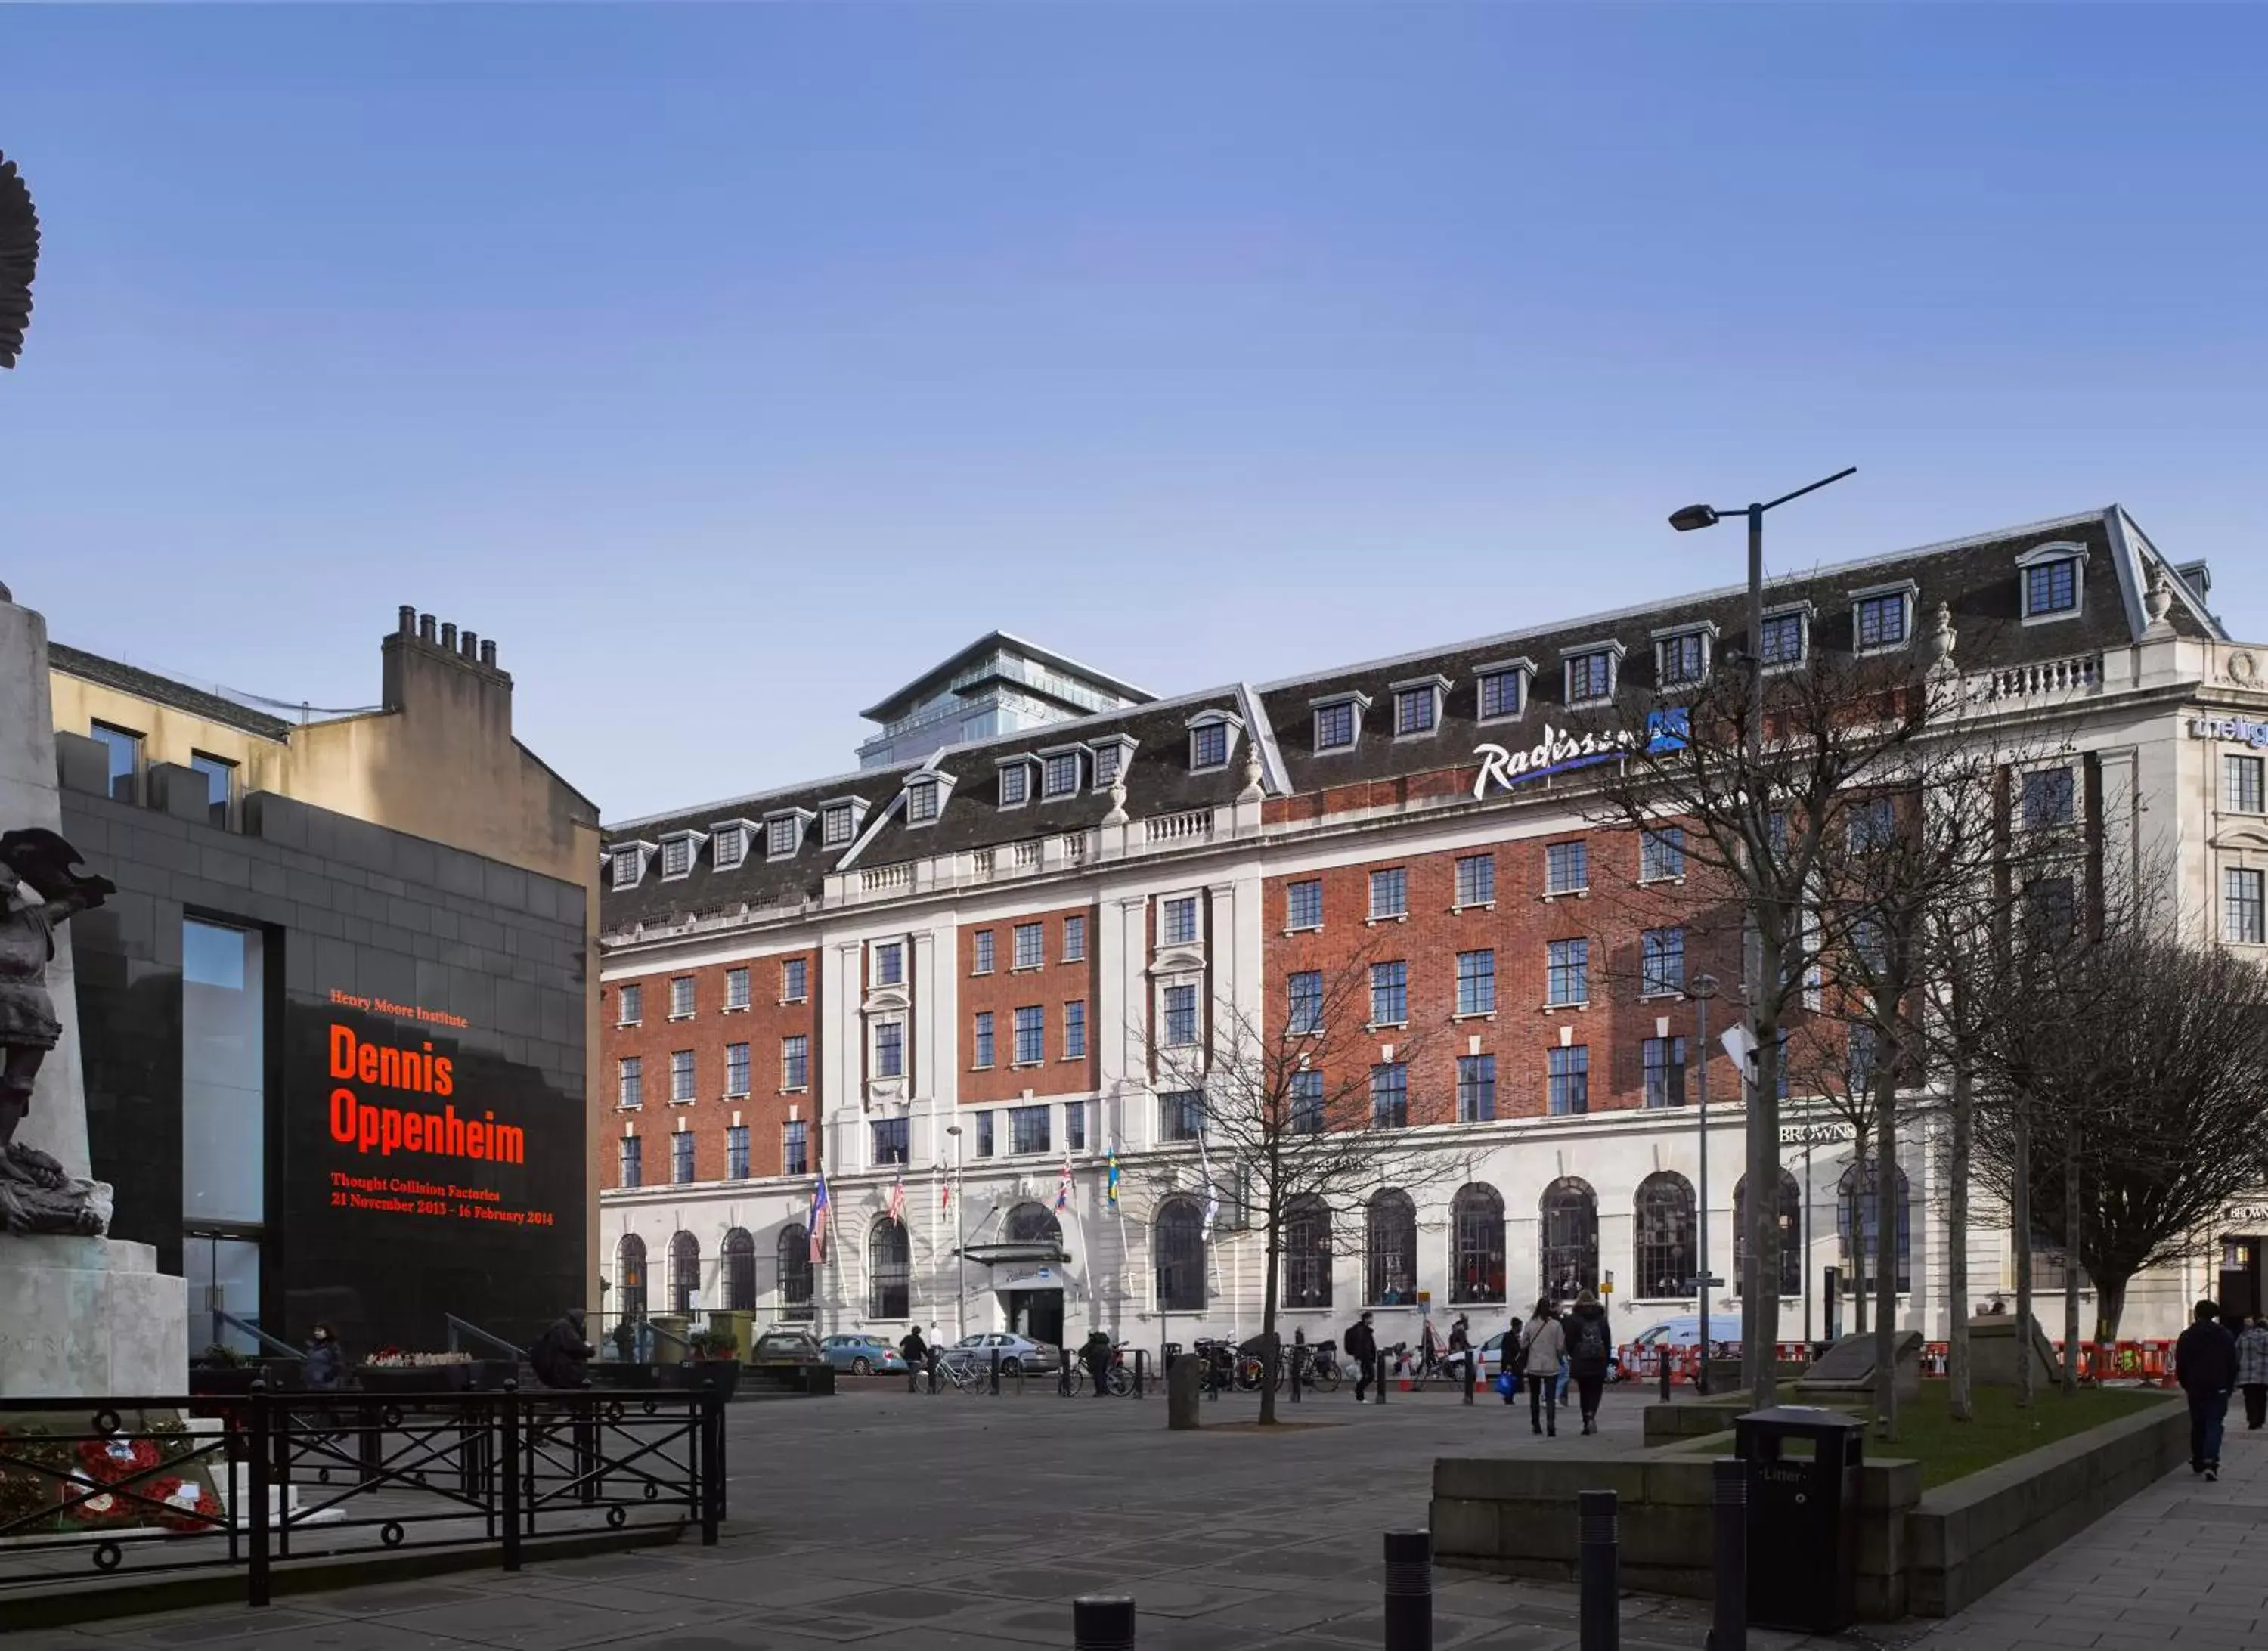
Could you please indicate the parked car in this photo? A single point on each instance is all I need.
(862, 1354)
(786, 1347)
(1018, 1354)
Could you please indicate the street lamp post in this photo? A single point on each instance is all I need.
(1701, 988)
(960, 1261)
(1756, 1336)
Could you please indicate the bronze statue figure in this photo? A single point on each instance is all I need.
(19, 257)
(36, 1195)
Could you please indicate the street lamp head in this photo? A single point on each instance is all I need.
(1694, 516)
(1701, 986)
(952, 1129)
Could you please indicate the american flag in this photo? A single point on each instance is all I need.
(895, 1203)
(818, 1226)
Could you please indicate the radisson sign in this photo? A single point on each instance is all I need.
(1559, 751)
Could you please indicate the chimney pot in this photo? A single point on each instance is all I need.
(449, 636)
(488, 651)
(469, 645)
(425, 623)
(408, 619)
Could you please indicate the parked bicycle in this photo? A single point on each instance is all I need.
(1120, 1379)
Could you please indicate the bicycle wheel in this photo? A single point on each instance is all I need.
(1122, 1380)
(1325, 1380)
(1248, 1373)
(1076, 1384)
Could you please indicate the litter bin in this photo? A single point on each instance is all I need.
(1803, 1515)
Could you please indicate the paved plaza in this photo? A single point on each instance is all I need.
(955, 1521)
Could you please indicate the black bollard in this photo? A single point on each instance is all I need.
(1298, 1376)
(1729, 1623)
(1472, 1362)
(1663, 1359)
(1103, 1622)
(932, 1363)
(1062, 1372)
(995, 1373)
(1408, 1590)
(1141, 1366)
(1601, 1580)
(1386, 1361)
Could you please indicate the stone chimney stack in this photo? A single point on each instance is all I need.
(431, 665)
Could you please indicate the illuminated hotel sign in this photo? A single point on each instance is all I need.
(1557, 751)
(2250, 730)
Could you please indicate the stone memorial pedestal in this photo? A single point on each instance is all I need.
(88, 1318)
(80, 1318)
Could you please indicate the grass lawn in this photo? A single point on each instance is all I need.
(1949, 1450)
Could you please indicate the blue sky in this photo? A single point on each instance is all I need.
(730, 364)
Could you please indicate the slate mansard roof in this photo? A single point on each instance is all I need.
(1977, 578)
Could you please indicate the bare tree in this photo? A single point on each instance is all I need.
(1296, 1121)
(1768, 836)
(2131, 1099)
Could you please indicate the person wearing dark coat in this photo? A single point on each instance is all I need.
(324, 1365)
(1095, 1355)
(1361, 1343)
(914, 1351)
(561, 1352)
(2205, 1363)
(1590, 1352)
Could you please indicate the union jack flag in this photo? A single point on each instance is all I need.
(895, 1203)
(1063, 1187)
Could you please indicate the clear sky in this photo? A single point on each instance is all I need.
(730, 364)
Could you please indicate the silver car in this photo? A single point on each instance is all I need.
(1018, 1354)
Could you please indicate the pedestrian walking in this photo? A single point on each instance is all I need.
(1511, 1360)
(914, 1351)
(2252, 1369)
(1460, 1346)
(325, 1364)
(1543, 1344)
(1590, 1351)
(561, 1352)
(1361, 1343)
(2205, 1363)
(1096, 1356)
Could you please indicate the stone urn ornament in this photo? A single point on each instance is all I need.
(36, 1196)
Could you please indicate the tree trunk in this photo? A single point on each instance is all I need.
(1268, 1318)
(1862, 1152)
(2071, 1342)
(1958, 1379)
(1889, 1206)
(2109, 1304)
(2020, 1219)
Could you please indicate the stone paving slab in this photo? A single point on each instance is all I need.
(883, 1518)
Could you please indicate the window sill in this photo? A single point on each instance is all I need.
(979, 974)
(1667, 994)
(1384, 917)
(734, 1008)
(1385, 1025)
(674, 1019)
(985, 1066)
(729, 1096)
(785, 1002)
(1026, 1066)
(1027, 968)
(1550, 894)
(1556, 1008)
(687, 1101)
(1311, 928)
(1675, 881)
(1081, 1055)
(801, 1088)
(1473, 905)
(1475, 1015)
(624, 1026)
(2052, 619)
(631, 1106)
(1415, 735)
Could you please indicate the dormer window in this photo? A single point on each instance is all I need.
(1059, 774)
(1504, 689)
(1110, 755)
(921, 802)
(1881, 617)
(628, 864)
(1417, 706)
(783, 832)
(677, 851)
(1212, 739)
(1591, 673)
(839, 821)
(728, 846)
(1681, 657)
(1015, 782)
(2054, 582)
(1338, 721)
(1786, 638)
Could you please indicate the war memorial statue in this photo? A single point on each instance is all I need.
(36, 1195)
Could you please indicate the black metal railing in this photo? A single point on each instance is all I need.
(129, 1488)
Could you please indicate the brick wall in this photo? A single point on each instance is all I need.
(1004, 988)
(708, 1033)
(1517, 928)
